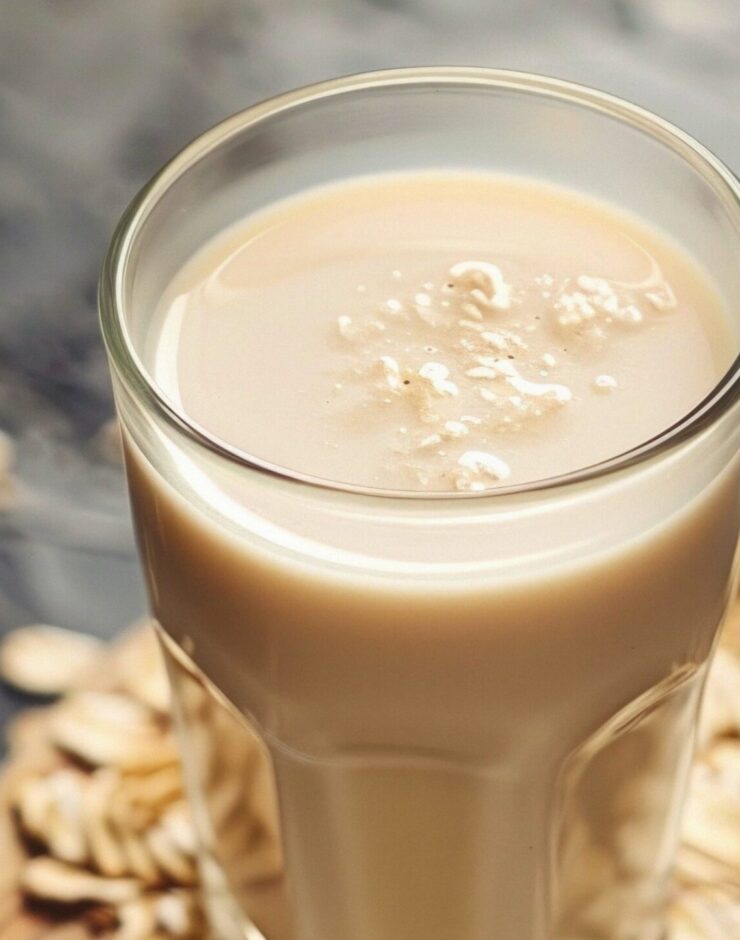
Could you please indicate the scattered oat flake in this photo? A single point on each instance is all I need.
(456, 428)
(46, 660)
(392, 373)
(106, 852)
(106, 728)
(605, 383)
(497, 340)
(65, 836)
(49, 879)
(391, 306)
(471, 325)
(489, 287)
(437, 375)
(177, 913)
(472, 312)
(136, 920)
(485, 464)
(344, 324)
(558, 393)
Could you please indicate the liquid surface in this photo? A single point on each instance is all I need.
(439, 332)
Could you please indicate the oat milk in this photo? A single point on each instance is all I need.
(474, 718)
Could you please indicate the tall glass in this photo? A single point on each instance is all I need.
(439, 717)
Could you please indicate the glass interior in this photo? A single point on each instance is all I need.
(385, 740)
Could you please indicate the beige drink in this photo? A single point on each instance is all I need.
(375, 332)
(475, 710)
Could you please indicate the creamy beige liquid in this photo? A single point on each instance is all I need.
(475, 712)
(376, 332)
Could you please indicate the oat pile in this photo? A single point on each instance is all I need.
(96, 787)
(97, 793)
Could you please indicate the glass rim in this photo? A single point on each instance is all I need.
(131, 370)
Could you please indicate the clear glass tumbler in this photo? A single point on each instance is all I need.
(460, 717)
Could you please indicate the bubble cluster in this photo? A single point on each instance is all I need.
(461, 363)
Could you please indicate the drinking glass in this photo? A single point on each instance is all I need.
(415, 716)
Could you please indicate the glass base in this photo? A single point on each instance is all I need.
(400, 849)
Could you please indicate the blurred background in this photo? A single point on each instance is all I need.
(95, 95)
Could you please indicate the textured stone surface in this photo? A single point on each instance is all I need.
(95, 95)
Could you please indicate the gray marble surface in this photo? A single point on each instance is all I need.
(96, 94)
